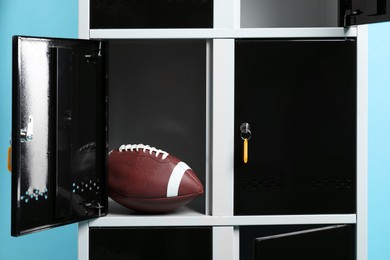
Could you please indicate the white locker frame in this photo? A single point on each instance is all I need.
(220, 114)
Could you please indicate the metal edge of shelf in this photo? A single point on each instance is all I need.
(223, 33)
(205, 220)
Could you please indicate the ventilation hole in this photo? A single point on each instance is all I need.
(258, 184)
(327, 183)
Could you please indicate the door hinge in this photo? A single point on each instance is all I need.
(100, 49)
(94, 54)
(350, 17)
(27, 133)
(93, 205)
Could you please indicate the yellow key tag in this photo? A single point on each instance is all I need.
(245, 150)
(245, 135)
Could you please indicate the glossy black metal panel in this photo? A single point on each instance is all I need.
(356, 12)
(58, 132)
(106, 14)
(304, 242)
(173, 243)
(299, 98)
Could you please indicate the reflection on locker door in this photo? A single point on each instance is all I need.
(331, 242)
(295, 118)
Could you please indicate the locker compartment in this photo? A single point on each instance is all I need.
(295, 104)
(297, 242)
(296, 13)
(157, 96)
(148, 14)
(174, 243)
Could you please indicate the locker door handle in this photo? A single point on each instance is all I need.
(27, 133)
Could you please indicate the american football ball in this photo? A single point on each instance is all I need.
(146, 179)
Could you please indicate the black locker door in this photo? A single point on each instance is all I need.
(330, 242)
(298, 98)
(147, 14)
(58, 132)
(355, 12)
(150, 243)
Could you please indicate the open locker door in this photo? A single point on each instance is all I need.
(58, 132)
(358, 12)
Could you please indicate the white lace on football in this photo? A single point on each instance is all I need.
(144, 148)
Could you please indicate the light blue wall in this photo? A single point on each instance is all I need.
(58, 18)
(379, 142)
(55, 18)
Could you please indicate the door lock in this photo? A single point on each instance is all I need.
(245, 136)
